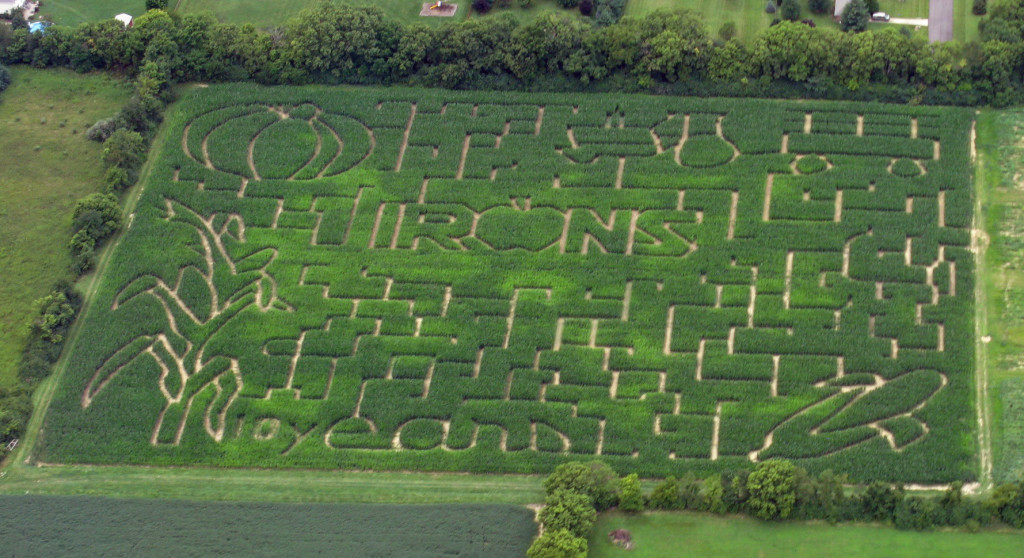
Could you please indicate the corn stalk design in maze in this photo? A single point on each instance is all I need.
(411, 279)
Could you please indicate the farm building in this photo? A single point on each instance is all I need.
(126, 19)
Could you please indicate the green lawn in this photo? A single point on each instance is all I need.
(48, 165)
(73, 12)
(1001, 194)
(698, 536)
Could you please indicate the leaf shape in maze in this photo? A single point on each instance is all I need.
(894, 398)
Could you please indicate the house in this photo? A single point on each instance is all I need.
(8, 5)
(126, 19)
(837, 13)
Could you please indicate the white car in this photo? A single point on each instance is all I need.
(879, 16)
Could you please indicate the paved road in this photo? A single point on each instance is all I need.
(921, 22)
(940, 16)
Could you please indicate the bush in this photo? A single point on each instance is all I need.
(790, 10)
(727, 31)
(482, 6)
(772, 488)
(570, 511)
(568, 4)
(595, 479)
(118, 180)
(98, 215)
(156, 4)
(980, 7)
(525, 4)
(770, 8)
(558, 544)
(632, 499)
(879, 502)
(101, 130)
(915, 513)
(819, 6)
(855, 17)
(124, 149)
(587, 7)
(5, 77)
(666, 495)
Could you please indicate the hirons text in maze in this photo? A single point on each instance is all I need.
(417, 279)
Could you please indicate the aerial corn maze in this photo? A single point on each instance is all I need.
(498, 282)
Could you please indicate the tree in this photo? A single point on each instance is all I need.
(879, 501)
(587, 7)
(18, 20)
(568, 4)
(98, 215)
(772, 488)
(872, 6)
(558, 544)
(791, 10)
(123, 149)
(713, 492)
(595, 479)
(666, 495)
(482, 6)
(819, 6)
(568, 510)
(855, 17)
(632, 499)
(156, 4)
(727, 31)
(770, 7)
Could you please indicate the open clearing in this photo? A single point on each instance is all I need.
(84, 526)
(414, 279)
(49, 165)
(1000, 188)
(708, 536)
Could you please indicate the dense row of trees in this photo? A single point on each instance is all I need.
(773, 490)
(663, 52)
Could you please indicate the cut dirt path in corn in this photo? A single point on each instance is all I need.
(405, 138)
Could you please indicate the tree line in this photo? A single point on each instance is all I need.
(664, 52)
(773, 490)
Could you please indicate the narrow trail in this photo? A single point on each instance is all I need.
(837, 217)
(462, 158)
(913, 128)
(376, 226)
(788, 280)
(405, 138)
(981, 332)
(716, 430)
(766, 211)
(678, 149)
(733, 207)
(808, 122)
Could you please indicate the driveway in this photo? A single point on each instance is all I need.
(920, 22)
(940, 15)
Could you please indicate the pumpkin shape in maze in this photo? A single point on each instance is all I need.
(262, 142)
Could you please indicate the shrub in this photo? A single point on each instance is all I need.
(770, 8)
(568, 4)
(568, 510)
(790, 10)
(156, 4)
(525, 3)
(558, 544)
(980, 7)
(819, 6)
(872, 5)
(482, 6)
(98, 215)
(772, 488)
(124, 149)
(101, 130)
(587, 7)
(666, 495)
(727, 31)
(855, 17)
(5, 77)
(879, 501)
(915, 513)
(632, 499)
(595, 479)
(117, 180)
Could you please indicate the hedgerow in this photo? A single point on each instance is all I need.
(506, 282)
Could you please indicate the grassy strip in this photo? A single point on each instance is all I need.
(663, 534)
(44, 115)
(272, 486)
(1000, 195)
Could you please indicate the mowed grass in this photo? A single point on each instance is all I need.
(1001, 195)
(707, 536)
(48, 165)
(272, 486)
(73, 12)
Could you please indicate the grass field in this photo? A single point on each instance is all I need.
(66, 526)
(1000, 187)
(49, 165)
(707, 536)
(73, 12)
(827, 315)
